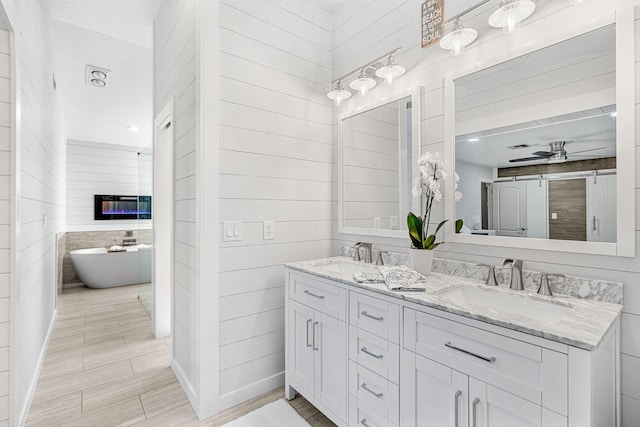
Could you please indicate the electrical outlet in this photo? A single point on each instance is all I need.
(268, 230)
(231, 231)
(376, 222)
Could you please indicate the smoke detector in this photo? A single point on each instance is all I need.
(96, 76)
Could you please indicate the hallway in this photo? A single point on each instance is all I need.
(103, 366)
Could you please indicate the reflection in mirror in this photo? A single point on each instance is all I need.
(536, 143)
(377, 167)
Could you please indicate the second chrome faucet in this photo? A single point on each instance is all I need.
(515, 265)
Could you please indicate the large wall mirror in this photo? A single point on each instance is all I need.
(377, 149)
(539, 142)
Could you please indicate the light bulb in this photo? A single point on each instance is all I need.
(389, 78)
(363, 90)
(458, 47)
(513, 22)
(338, 101)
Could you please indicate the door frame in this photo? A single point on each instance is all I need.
(163, 227)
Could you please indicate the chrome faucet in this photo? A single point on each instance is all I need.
(516, 273)
(491, 277)
(367, 252)
(544, 288)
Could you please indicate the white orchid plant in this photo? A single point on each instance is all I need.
(431, 171)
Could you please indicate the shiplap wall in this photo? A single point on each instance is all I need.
(371, 149)
(5, 221)
(275, 165)
(175, 76)
(364, 29)
(95, 168)
(42, 191)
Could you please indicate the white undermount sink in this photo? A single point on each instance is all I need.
(346, 267)
(534, 308)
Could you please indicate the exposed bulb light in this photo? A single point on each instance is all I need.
(362, 84)
(338, 94)
(132, 128)
(473, 140)
(576, 2)
(457, 40)
(390, 70)
(511, 14)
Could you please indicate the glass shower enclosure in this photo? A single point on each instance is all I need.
(145, 231)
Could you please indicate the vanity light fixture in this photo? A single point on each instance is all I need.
(458, 38)
(387, 70)
(511, 14)
(363, 83)
(390, 70)
(338, 94)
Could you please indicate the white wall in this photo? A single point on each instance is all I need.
(471, 175)
(175, 78)
(275, 165)
(41, 165)
(366, 28)
(5, 221)
(94, 168)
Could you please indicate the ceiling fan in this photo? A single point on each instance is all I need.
(556, 153)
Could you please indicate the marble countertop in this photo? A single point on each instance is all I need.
(584, 325)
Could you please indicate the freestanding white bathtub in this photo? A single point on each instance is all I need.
(98, 268)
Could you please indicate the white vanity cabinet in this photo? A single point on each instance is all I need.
(370, 359)
(316, 362)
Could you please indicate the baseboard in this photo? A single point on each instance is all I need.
(249, 392)
(24, 412)
(186, 385)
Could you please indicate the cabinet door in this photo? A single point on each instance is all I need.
(301, 357)
(491, 407)
(330, 350)
(432, 395)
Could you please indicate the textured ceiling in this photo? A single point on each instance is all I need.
(116, 35)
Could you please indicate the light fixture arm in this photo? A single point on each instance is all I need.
(368, 64)
(464, 12)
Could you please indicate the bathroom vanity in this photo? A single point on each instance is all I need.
(459, 354)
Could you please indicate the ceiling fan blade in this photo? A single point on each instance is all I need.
(586, 151)
(526, 159)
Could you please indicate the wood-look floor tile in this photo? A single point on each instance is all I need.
(105, 326)
(151, 361)
(101, 358)
(94, 397)
(183, 416)
(65, 383)
(62, 366)
(122, 413)
(163, 400)
(65, 406)
(74, 322)
(244, 408)
(62, 344)
(86, 348)
(113, 331)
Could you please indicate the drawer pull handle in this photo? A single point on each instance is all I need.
(365, 351)
(486, 359)
(456, 408)
(379, 319)
(364, 422)
(306, 291)
(314, 336)
(475, 411)
(365, 388)
(308, 323)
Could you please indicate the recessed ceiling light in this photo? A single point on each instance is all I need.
(98, 83)
(99, 74)
(132, 128)
(96, 76)
(473, 139)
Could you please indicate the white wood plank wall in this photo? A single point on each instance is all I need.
(364, 29)
(275, 165)
(95, 168)
(175, 76)
(5, 221)
(42, 175)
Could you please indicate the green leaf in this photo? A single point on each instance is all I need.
(435, 245)
(440, 226)
(428, 243)
(459, 224)
(414, 224)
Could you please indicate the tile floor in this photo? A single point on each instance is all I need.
(104, 368)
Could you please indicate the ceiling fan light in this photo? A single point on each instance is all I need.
(511, 14)
(458, 39)
(338, 95)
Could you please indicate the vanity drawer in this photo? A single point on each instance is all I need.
(375, 353)
(361, 414)
(374, 315)
(529, 371)
(319, 295)
(378, 393)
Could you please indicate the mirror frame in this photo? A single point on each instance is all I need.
(623, 19)
(396, 95)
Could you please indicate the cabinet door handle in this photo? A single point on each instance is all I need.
(364, 422)
(379, 319)
(314, 336)
(308, 292)
(365, 388)
(456, 402)
(453, 347)
(365, 351)
(308, 323)
(474, 410)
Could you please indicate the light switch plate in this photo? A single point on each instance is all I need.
(231, 231)
(268, 230)
(394, 222)
(376, 222)
(554, 215)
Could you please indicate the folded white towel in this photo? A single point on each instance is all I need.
(374, 277)
(403, 279)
